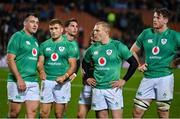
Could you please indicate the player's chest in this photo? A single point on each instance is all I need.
(107, 53)
(55, 50)
(29, 45)
(156, 43)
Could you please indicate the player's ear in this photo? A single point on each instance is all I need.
(166, 20)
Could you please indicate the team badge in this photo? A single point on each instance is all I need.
(28, 43)
(34, 52)
(48, 49)
(95, 52)
(102, 61)
(108, 52)
(155, 50)
(61, 49)
(150, 40)
(54, 57)
(163, 41)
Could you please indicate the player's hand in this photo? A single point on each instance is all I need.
(72, 77)
(42, 75)
(143, 67)
(91, 82)
(21, 85)
(60, 79)
(118, 84)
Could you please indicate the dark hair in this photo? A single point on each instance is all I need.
(66, 24)
(30, 14)
(163, 11)
(55, 21)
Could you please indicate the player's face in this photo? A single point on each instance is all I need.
(31, 24)
(55, 30)
(72, 29)
(99, 33)
(159, 21)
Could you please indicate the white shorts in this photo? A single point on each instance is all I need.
(160, 89)
(107, 99)
(51, 91)
(85, 96)
(31, 92)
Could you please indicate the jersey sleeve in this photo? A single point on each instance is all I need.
(71, 53)
(177, 37)
(124, 52)
(76, 49)
(41, 50)
(14, 44)
(139, 40)
(87, 56)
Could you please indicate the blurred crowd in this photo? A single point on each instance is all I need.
(129, 23)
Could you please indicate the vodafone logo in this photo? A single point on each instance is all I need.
(155, 50)
(54, 57)
(102, 61)
(34, 52)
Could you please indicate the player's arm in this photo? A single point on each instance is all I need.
(132, 68)
(88, 73)
(70, 71)
(13, 68)
(73, 76)
(175, 62)
(136, 50)
(40, 67)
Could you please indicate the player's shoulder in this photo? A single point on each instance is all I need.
(148, 30)
(46, 42)
(173, 31)
(117, 43)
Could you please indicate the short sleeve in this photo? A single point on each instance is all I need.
(14, 44)
(124, 52)
(177, 38)
(41, 49)
(71, 51)
(87, 56)
(139, 40)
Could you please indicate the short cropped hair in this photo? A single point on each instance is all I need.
(67, 23)
(163, 11)
(55, 21)
(30, 14)
(105, 25)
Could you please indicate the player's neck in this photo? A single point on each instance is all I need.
(105, 40)
(57, 39)
(162, 29)
(70, 37)
(27, 32)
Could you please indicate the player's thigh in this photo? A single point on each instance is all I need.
(146, 89)
(98, 100)
(165, 88)
(117, 113)
(62, 92)
(14, 107)
(84, 109)
(32, 93)
(59, 108)
(45, 108)
(14, 94)
(85, 95)
(114, 98)
(31, 106)
(46, 94)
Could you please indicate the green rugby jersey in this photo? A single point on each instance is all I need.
(26, 49)
(56, 56)
(160, 49)
(75, 46)
(107, 59)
